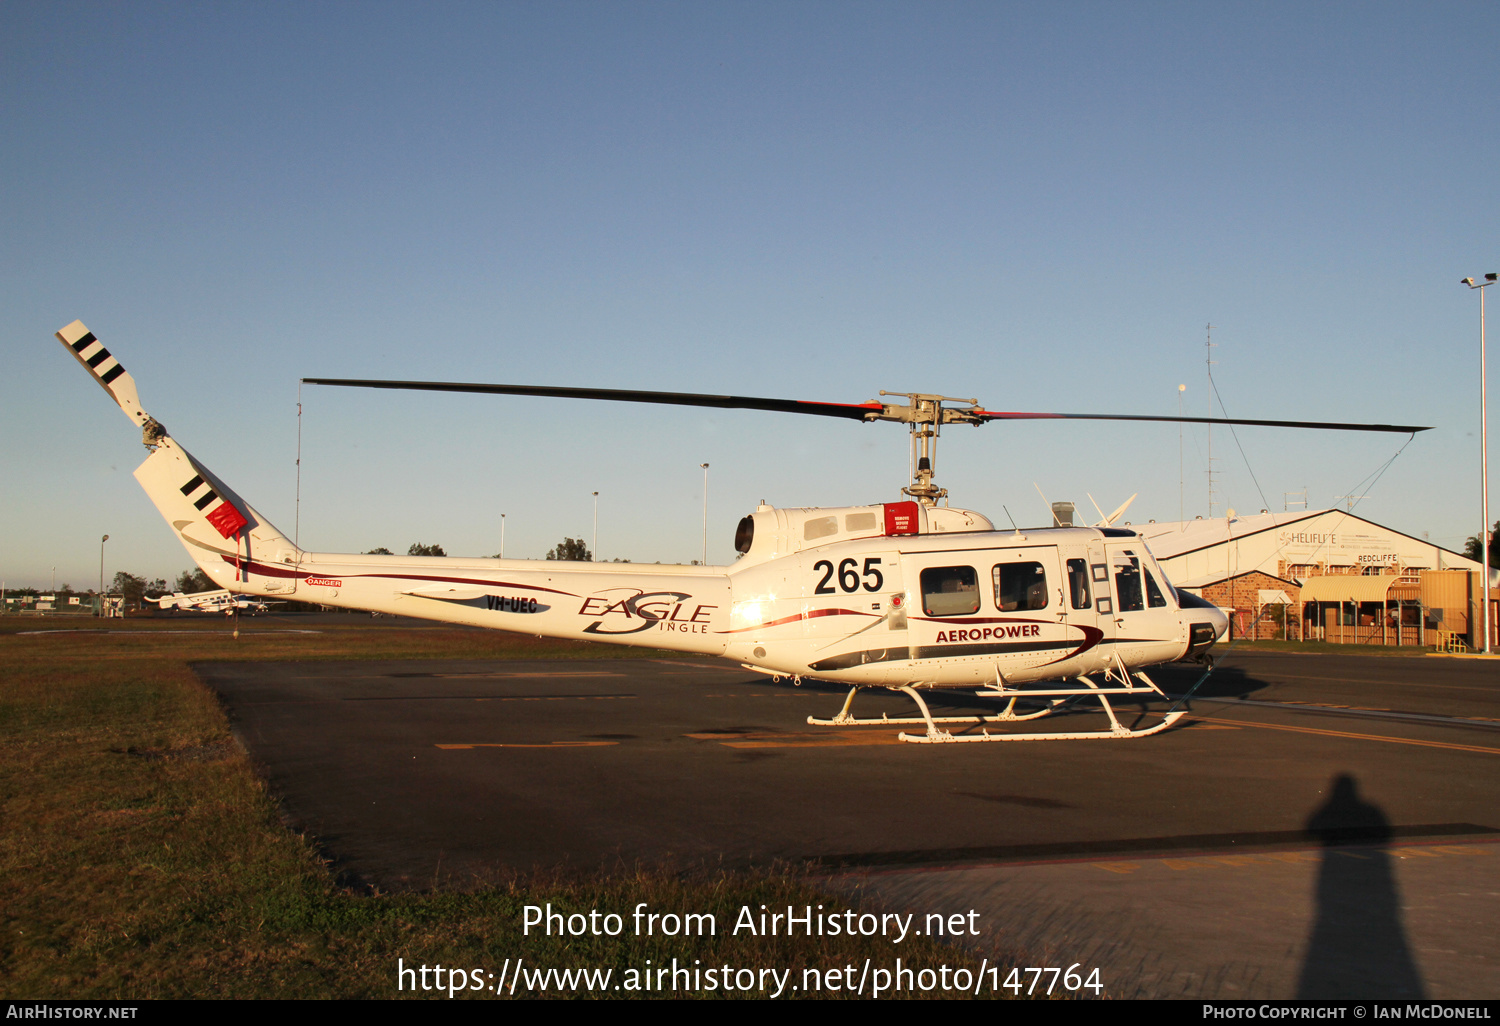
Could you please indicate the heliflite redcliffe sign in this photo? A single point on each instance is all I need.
(1340, 547)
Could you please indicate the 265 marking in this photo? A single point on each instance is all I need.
(848, 576)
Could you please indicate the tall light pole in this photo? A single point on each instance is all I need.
(1484, 459)
(594, 552)
(502, 535)
(704, 560)
(101, 573)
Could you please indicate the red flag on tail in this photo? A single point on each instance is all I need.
(226, 519)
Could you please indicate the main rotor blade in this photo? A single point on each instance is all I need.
(848, 411)
(1405, 429)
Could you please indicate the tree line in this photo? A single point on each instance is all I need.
(1473, 550)
(570, 549)
(134, 589)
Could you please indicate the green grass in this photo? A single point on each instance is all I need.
(141, 857)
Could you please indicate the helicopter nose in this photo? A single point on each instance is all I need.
(1207, 623)
(1220, 621)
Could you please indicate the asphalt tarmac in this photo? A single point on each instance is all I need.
(1317, 826)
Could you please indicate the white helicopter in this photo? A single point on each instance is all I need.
(221, 601)
(909, 596)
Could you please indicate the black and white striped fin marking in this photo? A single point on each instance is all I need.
(98, 359)
(199, 493)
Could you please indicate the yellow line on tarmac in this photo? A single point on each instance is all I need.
(1361, 737)
(841, 741)
(809, 740)
(1203, 861)
(549, 744)
(1366, 680)
(518, 676)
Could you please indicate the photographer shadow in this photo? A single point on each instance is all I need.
(1358, 946)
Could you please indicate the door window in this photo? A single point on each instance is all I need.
(1078, 583)
(1128, 586)
(950, 591)
(1020, 586)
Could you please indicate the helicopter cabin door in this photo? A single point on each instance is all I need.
(1028, 588)
(1089, 608)
(1145, 619)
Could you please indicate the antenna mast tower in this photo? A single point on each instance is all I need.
(1209, 347)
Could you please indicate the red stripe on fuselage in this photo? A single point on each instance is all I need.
(810, 614)
(272, 570)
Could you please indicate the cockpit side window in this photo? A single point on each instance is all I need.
(1128, 586)
(1154, 597)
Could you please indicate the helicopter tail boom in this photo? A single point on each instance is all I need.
(672, 607)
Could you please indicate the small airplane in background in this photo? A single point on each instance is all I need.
(911, 596)
(221, 601)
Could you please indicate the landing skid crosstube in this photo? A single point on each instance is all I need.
(1057, 699)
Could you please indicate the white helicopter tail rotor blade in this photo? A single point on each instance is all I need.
(104, 368)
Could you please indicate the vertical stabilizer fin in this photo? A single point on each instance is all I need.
(237, 547)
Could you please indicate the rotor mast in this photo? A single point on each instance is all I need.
(925, 415)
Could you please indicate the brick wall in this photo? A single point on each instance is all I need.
(1242, 594)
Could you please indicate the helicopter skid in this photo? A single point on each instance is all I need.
(1005, 716)
(1118, 731)
(936, 735)
(844, 720)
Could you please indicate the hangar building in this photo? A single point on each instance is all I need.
(1325, 575)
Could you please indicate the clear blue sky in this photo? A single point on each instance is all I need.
(1038, 205)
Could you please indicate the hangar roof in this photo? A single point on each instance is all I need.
(1176, 539)
(1170, 540)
